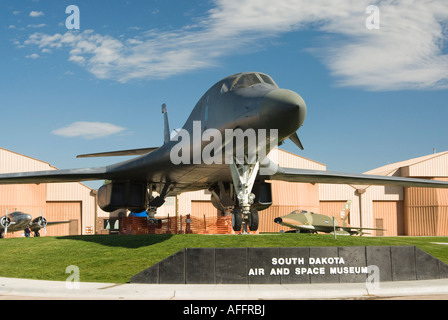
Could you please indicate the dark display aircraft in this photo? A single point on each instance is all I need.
(247, 105)
(19, 221)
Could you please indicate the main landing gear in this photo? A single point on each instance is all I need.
(155, 202)
(243, 176)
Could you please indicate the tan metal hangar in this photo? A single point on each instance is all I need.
(398, 210)
(401, 211)
(72, 202)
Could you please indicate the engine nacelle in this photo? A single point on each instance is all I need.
(39, 221)
(5, 222)
(263, 195)
(129, 195)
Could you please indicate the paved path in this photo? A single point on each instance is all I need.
(11, 288)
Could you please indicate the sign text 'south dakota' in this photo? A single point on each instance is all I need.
(311, 261)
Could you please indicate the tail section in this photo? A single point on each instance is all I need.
(166, 124)
(345, 213)
(134, 152)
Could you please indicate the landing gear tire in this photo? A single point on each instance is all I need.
(237, 219)
(253, 220)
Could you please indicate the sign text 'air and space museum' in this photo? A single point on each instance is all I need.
(294, 265)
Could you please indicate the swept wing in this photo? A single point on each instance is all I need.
(68, 175)
(317, 176)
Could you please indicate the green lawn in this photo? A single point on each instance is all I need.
(116, 259)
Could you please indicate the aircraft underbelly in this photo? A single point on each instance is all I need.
(185, 177)
(200, 177)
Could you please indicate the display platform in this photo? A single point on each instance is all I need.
(294, 266)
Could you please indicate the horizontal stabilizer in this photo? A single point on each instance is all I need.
(131, 152)
(362, 228)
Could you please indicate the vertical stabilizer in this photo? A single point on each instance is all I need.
(166, 124)
(345, 213)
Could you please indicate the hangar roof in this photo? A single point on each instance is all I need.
(433, 165)
(11, 161)
(29, 163)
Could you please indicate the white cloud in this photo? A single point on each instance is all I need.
(88, 130)
(407, 52)
(36, 14)
(40, 25)
(32, 56)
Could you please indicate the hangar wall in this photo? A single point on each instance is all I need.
(370, 205)
(58, 201)
(66, 194)
(287, 196)
(29, 198)
(401, 211)
(26, 198)
(426, 211)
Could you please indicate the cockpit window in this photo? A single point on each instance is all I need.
(246, 80)
(249, 79)
(224, 88)
(267, 79)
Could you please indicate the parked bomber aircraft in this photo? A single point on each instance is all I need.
(248, 102)
(310, 222)
(17, 221)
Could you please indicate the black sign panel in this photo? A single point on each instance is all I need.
(294, 266)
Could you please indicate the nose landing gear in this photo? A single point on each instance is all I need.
(243, 176)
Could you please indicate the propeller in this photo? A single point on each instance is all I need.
(5, 222)
(295, 138)
(43, 222)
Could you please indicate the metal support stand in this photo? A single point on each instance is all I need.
(334, 228)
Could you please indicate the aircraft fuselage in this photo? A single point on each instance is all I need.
(231, 104)
(18, 221)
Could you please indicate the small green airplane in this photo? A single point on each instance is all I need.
(309, 222)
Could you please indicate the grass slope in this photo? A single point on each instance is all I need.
(115, 259)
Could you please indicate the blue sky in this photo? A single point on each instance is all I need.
(374, 96)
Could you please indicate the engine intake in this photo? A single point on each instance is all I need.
(123, 195)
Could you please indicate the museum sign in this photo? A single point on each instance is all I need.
(294, 265)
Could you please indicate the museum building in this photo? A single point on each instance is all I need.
(398, 210)
(74, 203)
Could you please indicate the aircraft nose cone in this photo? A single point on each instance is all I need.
(284, 110)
